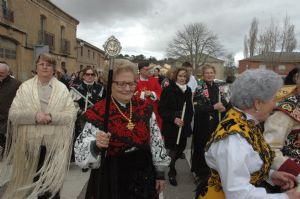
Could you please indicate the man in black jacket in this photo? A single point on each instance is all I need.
(8, 89)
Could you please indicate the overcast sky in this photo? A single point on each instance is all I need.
(146, 26)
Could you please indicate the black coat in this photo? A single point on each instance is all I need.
(206, 120)
(170, 107)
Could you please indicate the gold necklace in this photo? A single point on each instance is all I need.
(130, 124)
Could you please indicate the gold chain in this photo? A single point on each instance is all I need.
(130, 125)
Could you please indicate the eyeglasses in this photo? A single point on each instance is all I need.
(45, 64)
(89, 74)
(123, 84)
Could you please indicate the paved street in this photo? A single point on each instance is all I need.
(74, 187)
(75, 182)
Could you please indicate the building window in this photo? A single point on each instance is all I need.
(88, 53)
(93, 55)
(42, 31)
(281, 67)
(8, 53)
(262, 66)
(8, 49)
(62, 32)
(43, 22)
(81, 51)
(81, 67)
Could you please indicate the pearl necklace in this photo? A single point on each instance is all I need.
(130, 124)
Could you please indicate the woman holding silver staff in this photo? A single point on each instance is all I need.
(171, 105)
(136, 159)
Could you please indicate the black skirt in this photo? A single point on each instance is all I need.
(130, 175)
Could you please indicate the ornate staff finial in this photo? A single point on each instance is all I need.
(112, 46)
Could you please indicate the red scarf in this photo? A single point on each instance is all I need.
(121, 137)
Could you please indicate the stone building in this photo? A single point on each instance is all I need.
(217, 63)
(89, 55)
(29, 27)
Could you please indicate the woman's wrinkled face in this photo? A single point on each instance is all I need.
(123, 86)
(181, 77)
(264, 109)
(44, 69)
(209, 75)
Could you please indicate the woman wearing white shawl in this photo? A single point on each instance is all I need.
(41, 122)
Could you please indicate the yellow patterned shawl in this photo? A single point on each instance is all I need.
(24, 139)
(235, 123)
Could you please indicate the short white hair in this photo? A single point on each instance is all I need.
(4, 65)
(251, 85)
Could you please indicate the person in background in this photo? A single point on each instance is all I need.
(72, 79)
(290, 85)
(8, 89)
(192, 80)
(136, 159)
(290, 79)
(100, 79)
(148, 88)
(168, 78)
(85, 95)
(157, 75)
(65, 78)
(282, 131)
(88, 92)
(210, 106)
(41, 121)
(237, 154)
(170, 108)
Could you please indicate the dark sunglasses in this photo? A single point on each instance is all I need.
(89, 74)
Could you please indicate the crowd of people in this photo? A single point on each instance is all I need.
(245, 137)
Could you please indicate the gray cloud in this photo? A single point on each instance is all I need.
(146, 27)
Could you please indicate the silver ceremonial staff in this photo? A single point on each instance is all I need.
(112, 48)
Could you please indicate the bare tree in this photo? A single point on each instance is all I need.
(229, 66)
(273, 38)
(194, 44)
(246, 50)
(269, 39)
(288, 40)
(253, 37)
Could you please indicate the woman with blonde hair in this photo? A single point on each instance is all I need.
(210, 106)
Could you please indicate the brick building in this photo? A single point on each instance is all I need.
(281, 63)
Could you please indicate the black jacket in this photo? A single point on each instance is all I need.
(206, 118)
(170, 107)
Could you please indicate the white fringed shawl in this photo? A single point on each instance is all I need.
(25, 138)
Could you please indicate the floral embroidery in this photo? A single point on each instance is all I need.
(235, 123)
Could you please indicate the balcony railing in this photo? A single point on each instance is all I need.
(8, 14)
(46, 38)
(65, 47)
